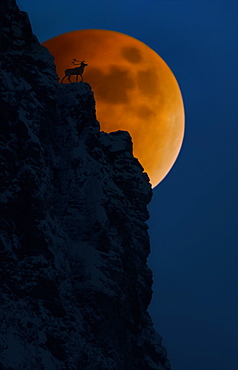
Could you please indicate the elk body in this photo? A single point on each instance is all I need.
(78, 71)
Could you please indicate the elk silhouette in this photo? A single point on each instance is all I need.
(78, 71)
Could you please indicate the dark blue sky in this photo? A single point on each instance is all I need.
(194, 223)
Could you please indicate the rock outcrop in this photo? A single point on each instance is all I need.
(75, 286)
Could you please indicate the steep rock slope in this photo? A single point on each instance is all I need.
(75, 286)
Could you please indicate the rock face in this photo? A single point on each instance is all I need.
(75, 286)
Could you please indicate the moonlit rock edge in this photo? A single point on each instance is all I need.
(75, 285)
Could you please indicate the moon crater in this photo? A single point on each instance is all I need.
(112, 87)
(131, 54)
(144, 112)
(147, 81)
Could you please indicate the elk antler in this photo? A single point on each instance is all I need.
(75, 60)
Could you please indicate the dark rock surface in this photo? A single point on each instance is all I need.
(75, 286)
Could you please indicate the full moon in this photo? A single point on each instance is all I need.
(134, 89)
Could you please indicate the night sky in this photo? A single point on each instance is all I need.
(193, 215)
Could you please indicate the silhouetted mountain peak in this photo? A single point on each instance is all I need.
(75, 286)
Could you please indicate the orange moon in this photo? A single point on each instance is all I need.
(134, 89)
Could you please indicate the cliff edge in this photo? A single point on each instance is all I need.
(75, 285)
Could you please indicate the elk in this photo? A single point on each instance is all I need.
(78, 71)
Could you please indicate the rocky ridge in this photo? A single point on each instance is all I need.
(75, 286)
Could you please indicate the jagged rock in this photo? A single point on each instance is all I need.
(75, 286)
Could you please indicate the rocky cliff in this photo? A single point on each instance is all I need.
(75, 286)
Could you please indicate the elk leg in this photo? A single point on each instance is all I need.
(63, 78)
